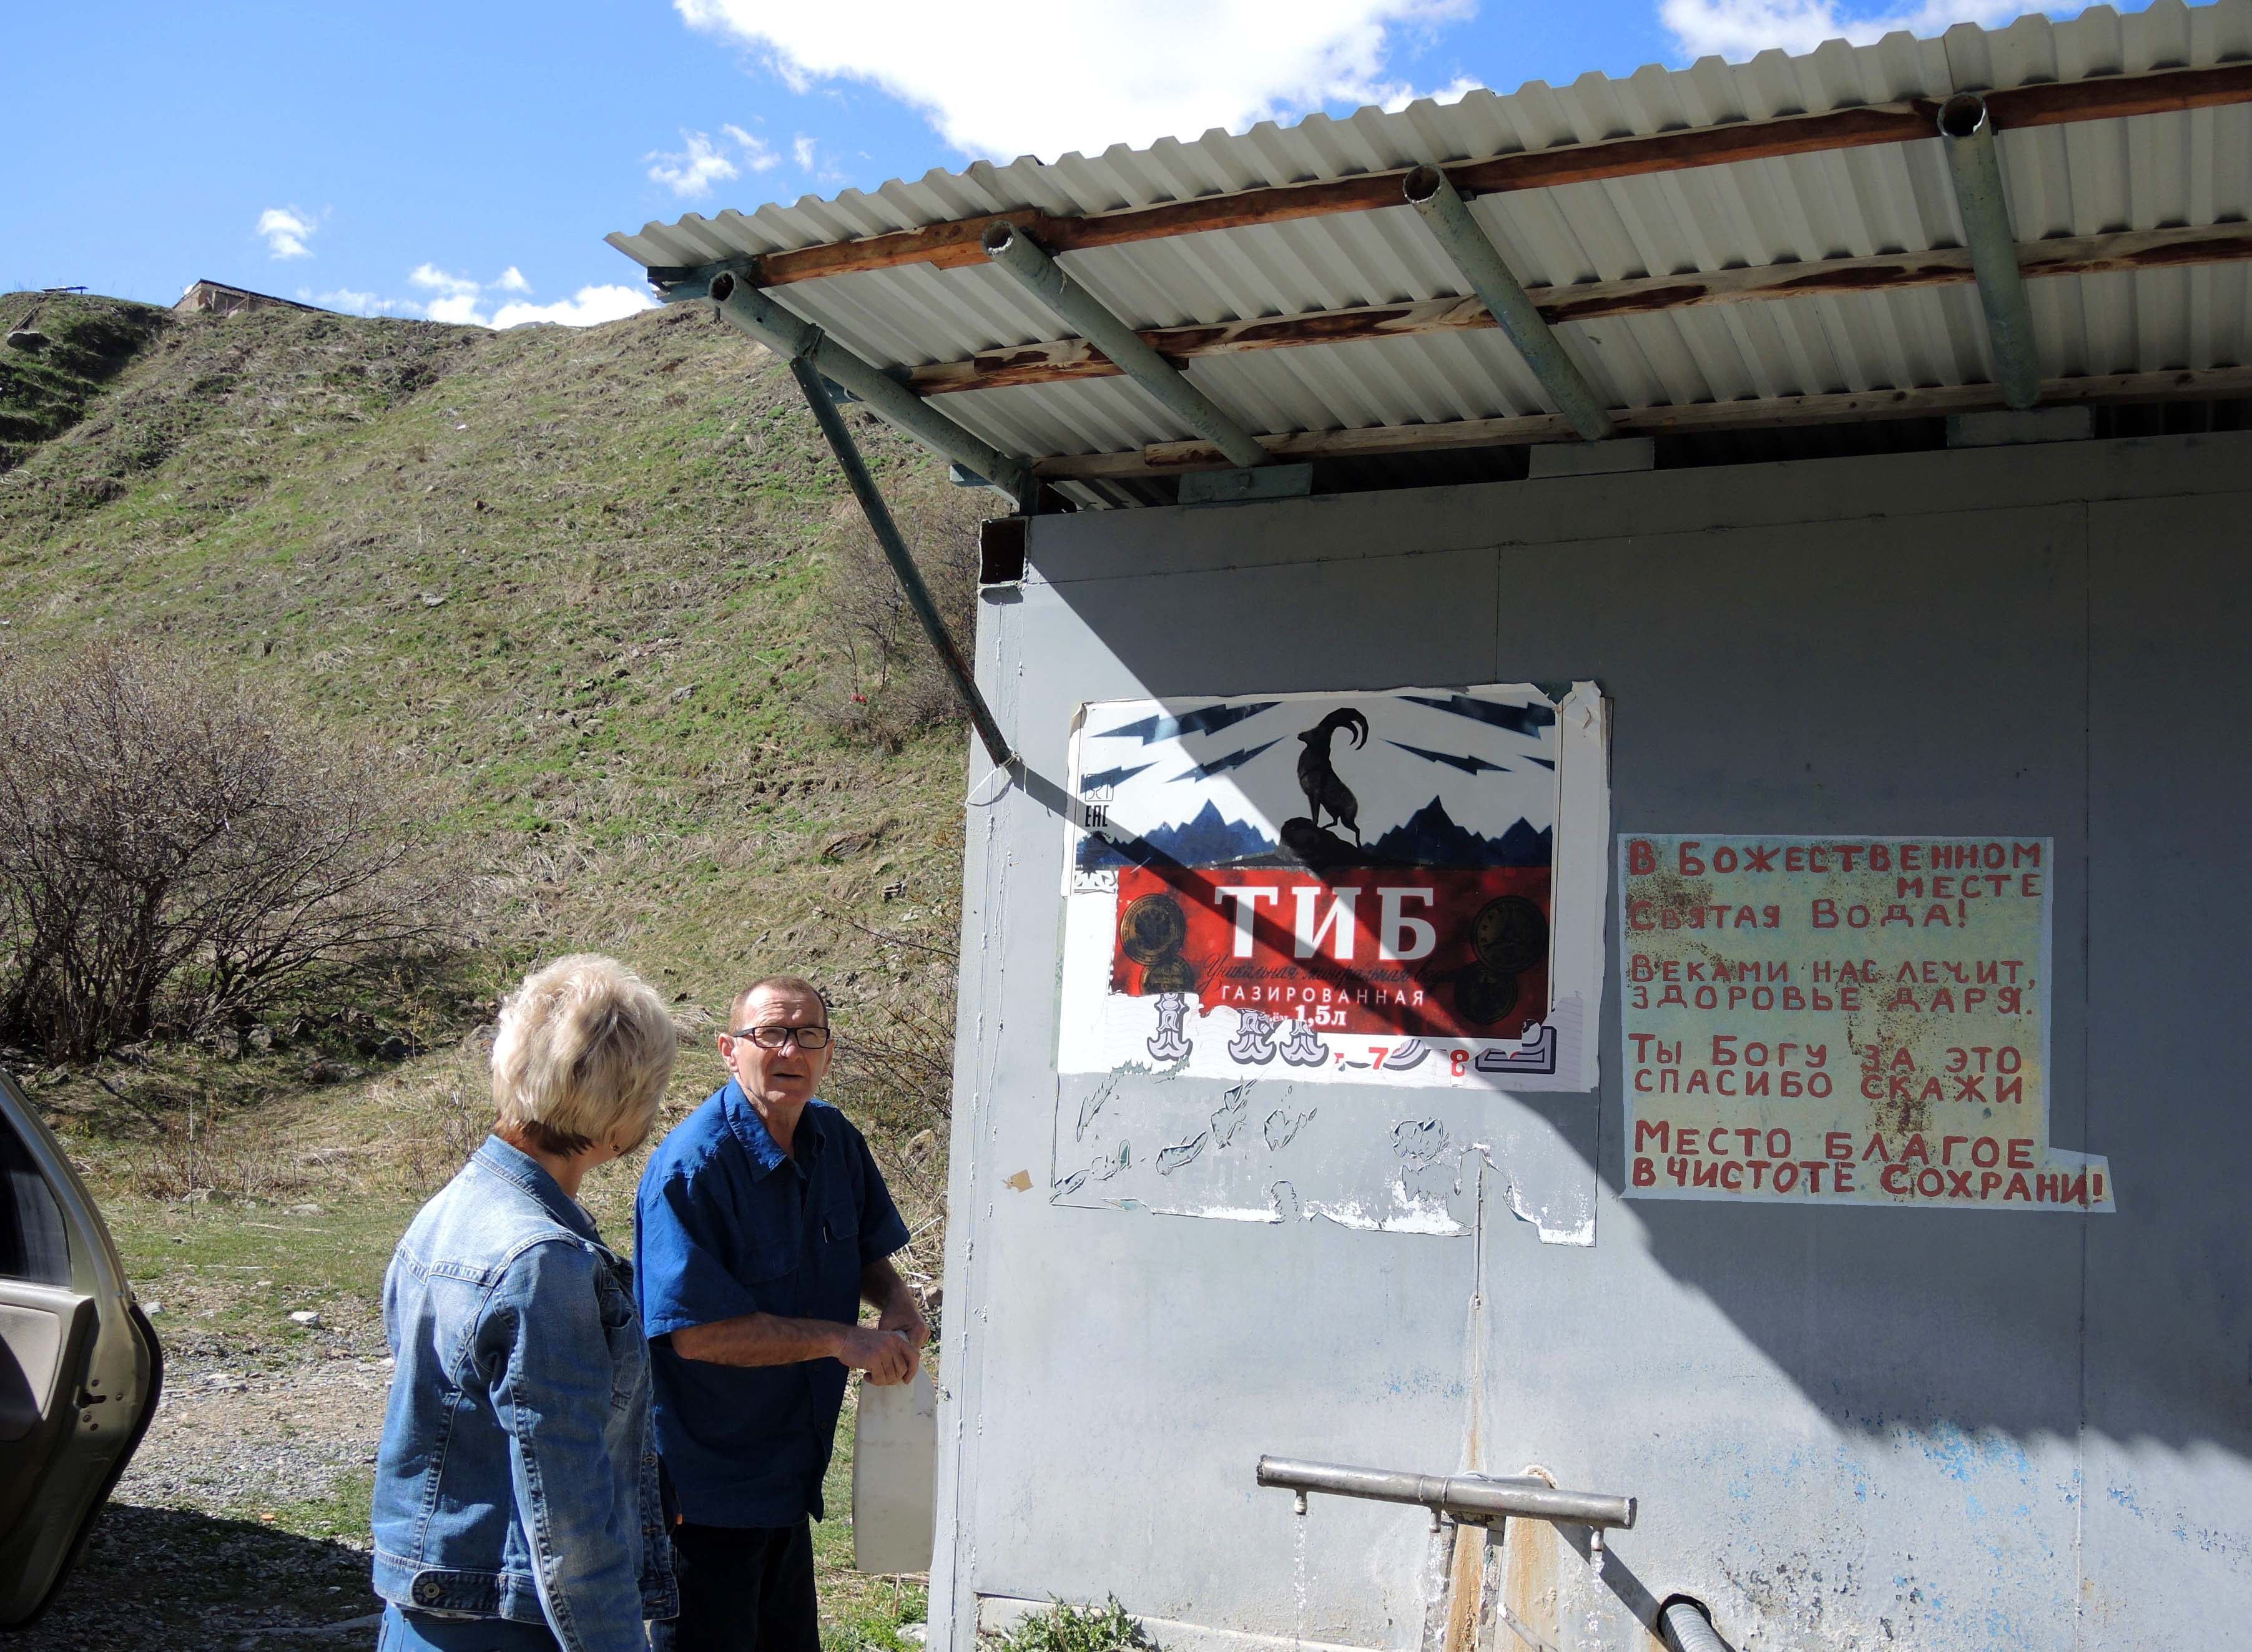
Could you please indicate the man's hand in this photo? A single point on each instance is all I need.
(896, 1309)
(907, 1326)
(886, 1355)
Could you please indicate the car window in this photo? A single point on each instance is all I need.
(33, 1245)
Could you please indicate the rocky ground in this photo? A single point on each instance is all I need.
(242, 1520)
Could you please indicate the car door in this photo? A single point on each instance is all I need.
(80, 1367)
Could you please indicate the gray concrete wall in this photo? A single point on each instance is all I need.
(1847, 1427)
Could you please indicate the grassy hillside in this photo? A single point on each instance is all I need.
(593, 591)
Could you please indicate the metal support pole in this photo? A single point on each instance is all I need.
(1468, 1498)
(1041, 276)
(1976, 168)
(751, 312)
(1433, 194)
(895, 548)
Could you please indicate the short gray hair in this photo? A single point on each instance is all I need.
(790, 986)
(583, 1054)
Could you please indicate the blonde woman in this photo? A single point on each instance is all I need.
(515, 1491)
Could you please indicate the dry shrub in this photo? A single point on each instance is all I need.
(895, 1055)
(192, 1156)
(888, 683)
(434, 1119)
(176, 856)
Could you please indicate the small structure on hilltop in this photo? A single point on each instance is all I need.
(217, 298)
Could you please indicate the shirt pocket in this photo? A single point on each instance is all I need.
(839, 1223)
(835, 1231)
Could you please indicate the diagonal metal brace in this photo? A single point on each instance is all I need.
(895, 549)
(1433, 194)
(1974, 166)
(1015, 251)
(751, 312)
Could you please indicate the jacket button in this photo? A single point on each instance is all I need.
(428, 1591)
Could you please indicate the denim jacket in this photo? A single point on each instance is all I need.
(518, 1474)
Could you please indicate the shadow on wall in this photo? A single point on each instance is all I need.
(1755, 688)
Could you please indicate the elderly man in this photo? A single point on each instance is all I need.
(763, 1224)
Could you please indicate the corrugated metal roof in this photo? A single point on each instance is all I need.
(2143, 172)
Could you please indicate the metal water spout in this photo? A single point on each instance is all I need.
(1471, 1500)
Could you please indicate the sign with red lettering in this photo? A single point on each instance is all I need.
(1394, 888)
(1842, 1020)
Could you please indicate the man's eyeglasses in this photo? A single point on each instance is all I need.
(774, 1037)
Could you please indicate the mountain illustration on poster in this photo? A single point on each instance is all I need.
(1430, 836)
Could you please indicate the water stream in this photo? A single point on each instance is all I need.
(1299, 1571)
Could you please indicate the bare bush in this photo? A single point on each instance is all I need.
(889, 685)
(175, 856)
(896, 1054)
(192, 1157)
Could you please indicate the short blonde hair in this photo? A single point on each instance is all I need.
(583, 1054)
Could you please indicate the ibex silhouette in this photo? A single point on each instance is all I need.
(1325, 793)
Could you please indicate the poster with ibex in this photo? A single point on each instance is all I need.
(1401, 888)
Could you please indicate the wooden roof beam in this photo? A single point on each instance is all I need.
(1062, 360)
(956, 245)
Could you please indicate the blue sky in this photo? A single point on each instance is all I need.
(464, 160)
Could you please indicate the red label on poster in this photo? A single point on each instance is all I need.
(1424, 951)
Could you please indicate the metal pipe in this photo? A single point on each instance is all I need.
(1686, 1628)
(1041, 276)
(1470, 1498)
(1975, 165)
(895, 548)
(751, 312)
(1433, 193)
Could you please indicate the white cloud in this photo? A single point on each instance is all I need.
(286, 229)
(358, 303)
(758, 154)
(1135, 80)
(458, 298)
(1742, 29)
(430, 277)
(692, 171)
(463, 301)
(588, 307)
(1450, 93)
(821, 168)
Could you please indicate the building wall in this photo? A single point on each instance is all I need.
(1847, 1427)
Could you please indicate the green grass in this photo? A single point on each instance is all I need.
(1066, 1628)
(342, 1513)
(235, 1268)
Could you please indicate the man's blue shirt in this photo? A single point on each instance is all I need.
(727, 1224)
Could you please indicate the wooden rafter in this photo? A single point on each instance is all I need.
(1064, 359)
(956, 244)
(1172, 458)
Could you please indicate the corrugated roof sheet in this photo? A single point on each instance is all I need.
(2144, 172)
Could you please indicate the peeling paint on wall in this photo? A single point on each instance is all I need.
(1262, 1150)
